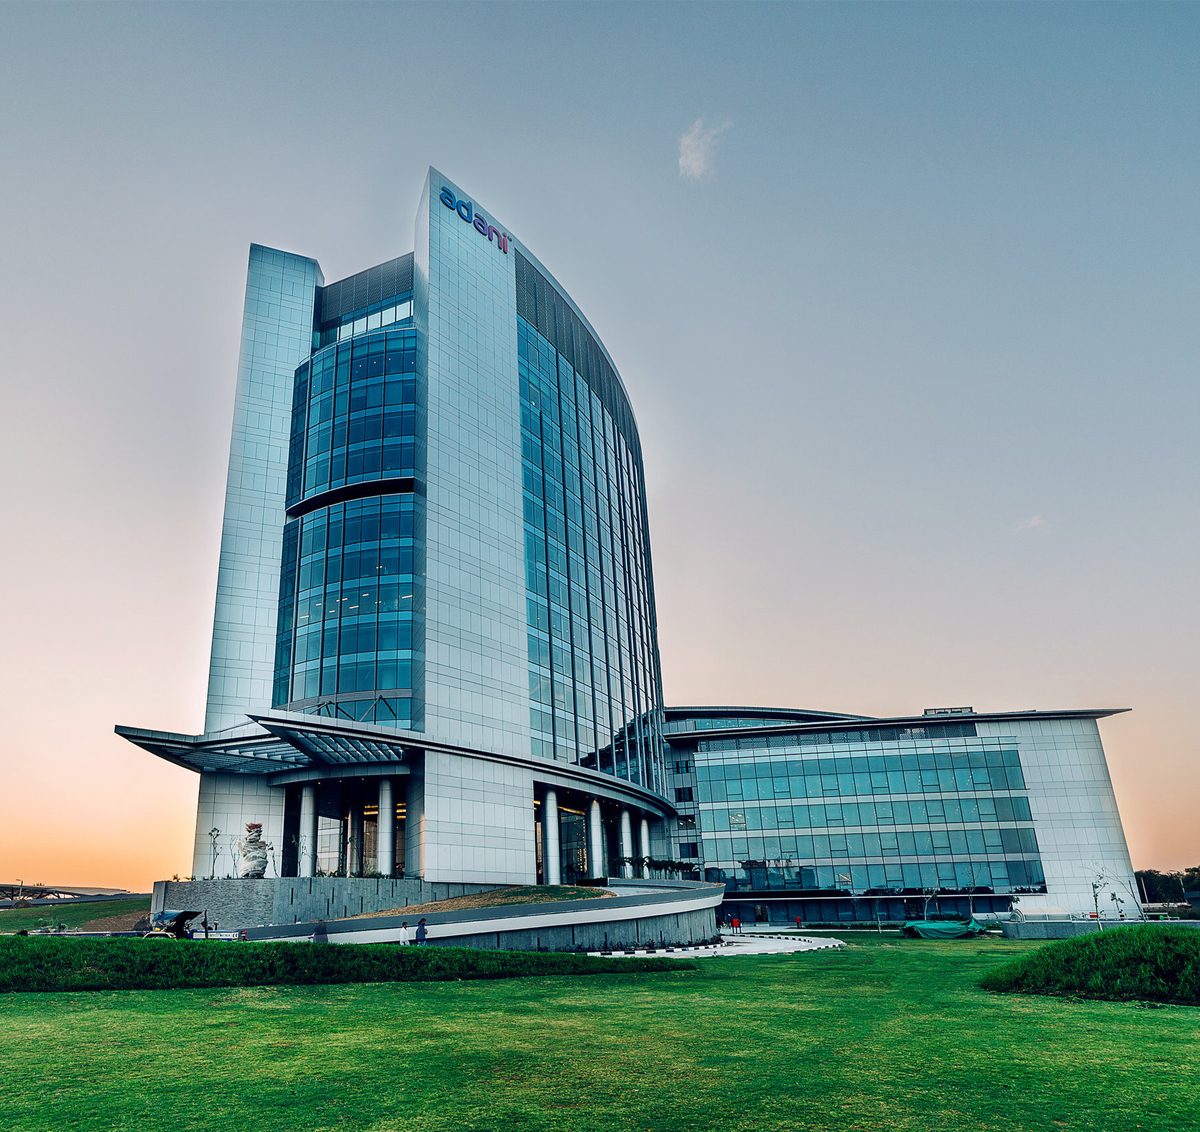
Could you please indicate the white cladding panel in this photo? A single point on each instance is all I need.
(476, 648)
(277, 323)
(227, 803)
(478, 821)
(1078, 827)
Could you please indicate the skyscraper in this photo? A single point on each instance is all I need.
(435, 626)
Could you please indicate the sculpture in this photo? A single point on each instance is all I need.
(253, 849)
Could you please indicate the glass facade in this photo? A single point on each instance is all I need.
(593, 661)
(349, 639)
(377, 315)
(418, 586)
(893, 814)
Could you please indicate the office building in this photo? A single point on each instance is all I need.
(435, 651)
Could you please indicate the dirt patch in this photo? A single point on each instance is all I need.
(122, 923)
(496, 898)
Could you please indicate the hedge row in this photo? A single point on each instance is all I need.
(54, 964)
(1149, 964)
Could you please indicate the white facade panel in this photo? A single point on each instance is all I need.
(1080, 837)
(477, 821)
(476, 652)
(277, 323)
(227, 803)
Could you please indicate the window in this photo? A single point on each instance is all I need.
(683, 767)
(689, 849)
(683, 794)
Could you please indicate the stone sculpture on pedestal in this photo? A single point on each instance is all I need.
(253, 849)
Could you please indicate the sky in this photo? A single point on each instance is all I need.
(904, 297)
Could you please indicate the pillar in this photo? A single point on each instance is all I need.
(626, 843)
(595, 840)
(551, 854)
(414, 825)
(354, 840)
(386, 839)
(645, 849)
(308, 830)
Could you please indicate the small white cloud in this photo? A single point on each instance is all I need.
(1031, 524)
(698, 149)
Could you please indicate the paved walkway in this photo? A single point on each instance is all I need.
(734, 945)
(760, 943)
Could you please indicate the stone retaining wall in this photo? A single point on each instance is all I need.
(1065, 929)
(237, 904)
(676, 930)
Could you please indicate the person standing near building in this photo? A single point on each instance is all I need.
(404, 934)
(422, 932)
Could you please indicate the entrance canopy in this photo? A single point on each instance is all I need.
(287, 741)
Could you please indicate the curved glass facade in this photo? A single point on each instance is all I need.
(349, 637)
(853, 822)
(593, 658)
(354, 415)
(879, 819)
(400, 493)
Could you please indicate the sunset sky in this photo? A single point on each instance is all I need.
(904, 297)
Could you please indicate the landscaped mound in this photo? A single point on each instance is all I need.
(1150, 964)
(54, 964)
(118, 914)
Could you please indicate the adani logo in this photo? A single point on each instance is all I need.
(466, 211)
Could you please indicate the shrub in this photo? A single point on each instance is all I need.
(123, 964)
(1150, 964)
(45, 964)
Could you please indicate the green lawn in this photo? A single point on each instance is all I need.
(74, 915)
(891, 1035)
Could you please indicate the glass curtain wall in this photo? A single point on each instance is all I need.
(350, 628)
(593, 658)
(806, 814)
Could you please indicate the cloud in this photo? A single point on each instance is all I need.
(698, 149)
(1031, 524)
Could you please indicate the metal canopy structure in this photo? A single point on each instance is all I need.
(871, 723)
(256, 753)
(326, 748)
(288, 747)
(284, 741)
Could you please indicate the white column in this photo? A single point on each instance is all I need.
(626, 843)
(414, 826)
(645, 850)
(551, 855)
(308, 830)
(595, 840)
(354, 841)
(386, 838)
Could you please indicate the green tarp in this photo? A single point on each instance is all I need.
(942, 929)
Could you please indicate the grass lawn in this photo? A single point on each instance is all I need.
(86, 914)
(891, 1035)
